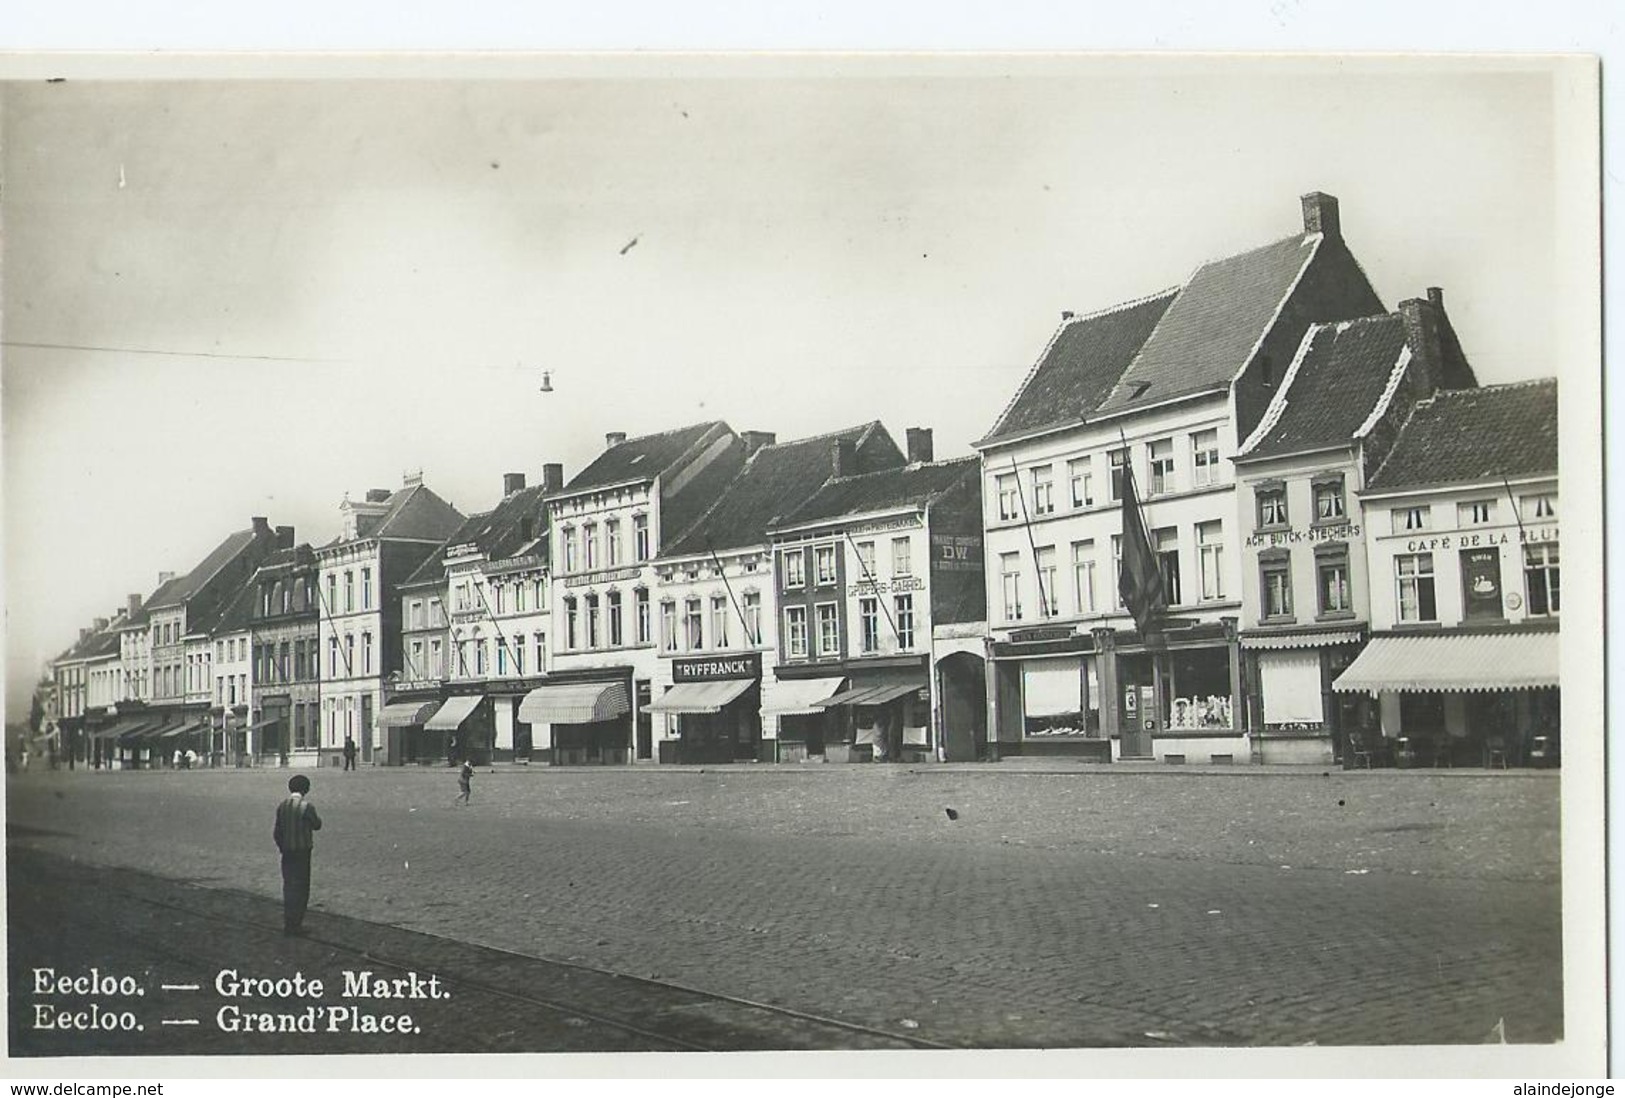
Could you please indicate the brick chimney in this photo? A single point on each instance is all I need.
(842, 457)
(284, 537)
(84, 635)
(613, 439)
(755, 440)
(919, 444)
(377, 495)
(1421, 319)
(262, 526)
(99, 624)
(552, 476)
(132, 605)
(165, 577)
(511, 483)
(1320, 215)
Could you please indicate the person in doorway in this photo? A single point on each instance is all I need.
(296, 825)
(349, 752)
(465, 782)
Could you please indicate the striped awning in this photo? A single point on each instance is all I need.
(119, 728)
(450, 717)
(402, 714)
(799, 697)
(187, 729)
(1472, 662)
(871, 692)
(700, 697)
(575, 703)
(1322, 638)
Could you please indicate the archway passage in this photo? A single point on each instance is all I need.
(963, 683)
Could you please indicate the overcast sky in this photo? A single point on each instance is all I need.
(234, 298)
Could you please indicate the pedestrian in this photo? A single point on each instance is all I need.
(296, 823)
(349, 752)
(465, 782)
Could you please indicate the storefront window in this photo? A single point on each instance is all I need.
(1060, 697)
(1540, 574)
(1414, 575)
(1199, 689)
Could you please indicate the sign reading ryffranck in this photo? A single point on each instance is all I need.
(717, 667)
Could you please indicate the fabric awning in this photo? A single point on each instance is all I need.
(801, 696)
(402, 714)
(700, 697)
(1472, 662)
(874, 692)
(575, 703)
(258, 726)
(119, 728)
(187, 729)
(450, 717)
(151, 730)
(1274, 642)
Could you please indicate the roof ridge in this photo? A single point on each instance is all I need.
(1396, 372)
(1522, 383)
(862, 428)
(1278, 402)
(667, 431)
(1376, 474)
(1314, 240)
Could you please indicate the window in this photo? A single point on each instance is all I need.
(1166, 543)
(437, 613)
(1205, 457)
(1329, 499)
(869, 624)
(1010, 572)
(616, 638)
(502, 658)
(437, 659)
(901, 556)
(1043, 477)
(824, 564)
(332, 657)
(1276, 581)
(1118, 460)
(284, 654)
(1414, 576)
(1009, 491)
(1332, 583)
(570, 620)
(299, 664)
(829, 633)
(589, 546)
(719, 621)
(1271, 506)
(539, 647)
(1540, 577)
(1410, 519)
(612, 542)
(640, 536)
(349, 591)
(366, 591)
(219, 651)
(479, 656)
(1210, 558)
(1077, 471)
(640, 614)
(518, 651)
(693, 625)
(794, 564)
(1161, 453)
(265, 601)
(1117, 571)
(498, 598)
(866, 559)
(332, 593)
(668, 626)
(1476, 513)
(414, 614)
(567, 549)
(541, 595)
(1083, 575)
(414, 665)
(753, 617)
(904, 606)
(795, 632)
(460, 597)
(1538, 507)
(593, 636)
(1048, 604)
(519, 597)
(349, 654)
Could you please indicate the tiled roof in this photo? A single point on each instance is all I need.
(1083, 361)
(1210, 330)
(643, 458)
(1341, 372)
(159, 597)
(414, 512)
(240, 610)
(910, 486)
(1471, 435)
(774, 482)
(497, 533)
(190, 584)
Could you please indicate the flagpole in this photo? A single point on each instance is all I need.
(1027, 524)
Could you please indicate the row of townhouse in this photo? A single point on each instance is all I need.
(1355, 541)
(1356, 544)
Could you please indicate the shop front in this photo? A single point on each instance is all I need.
(464, 722)
(804, 725)
(1295, 714)
(1464, 699)
(715, 707)
(406, 741)
(884, 716)
(581, 719)
(1050, 699)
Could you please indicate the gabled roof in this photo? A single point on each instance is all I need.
(1340, 375)
(239, 612)
(888, 490)
(644, 458)
(159, 597)
(179, 591)
(416, 513)
(1083, 361)
(1473, 435)
(497, 533)
(1214, 324)
(775, 481)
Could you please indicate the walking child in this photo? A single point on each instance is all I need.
(465, 780)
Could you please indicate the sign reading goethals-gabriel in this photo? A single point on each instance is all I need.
(717, 667)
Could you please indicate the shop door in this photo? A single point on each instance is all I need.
(1139, 714)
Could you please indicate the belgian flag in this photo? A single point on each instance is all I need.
(1139, 580)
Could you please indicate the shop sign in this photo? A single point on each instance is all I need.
(1041, 634)
(717, 667)
(464, 617)
(1296, 536)
(1481, 582)
(956, 553)
(602, 577)
(910, 522)
(900, 585)
(1529, 535)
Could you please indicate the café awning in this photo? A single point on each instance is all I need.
(1471, 662)
(700, 697)
(575, 703)
(450, 717)
(1319, 638)
(800, 697)
(402, 714)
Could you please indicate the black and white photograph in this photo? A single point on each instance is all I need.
(871, 556)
